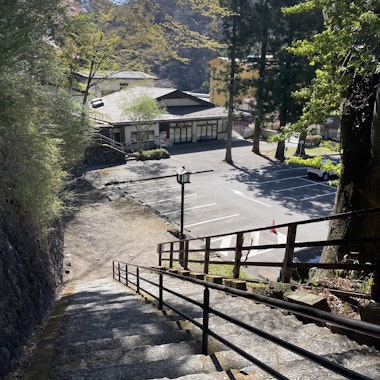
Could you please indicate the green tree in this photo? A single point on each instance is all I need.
(234, 38)
(41, 136)
(88, 43)
(134, 35)
(142, 111)
(346, 54)
(284, 73)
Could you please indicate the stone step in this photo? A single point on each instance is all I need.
(171, 367)
(138, 315)
(223, 375)
(125, 355)
(128, 342)
(75, 335)
(124, 337)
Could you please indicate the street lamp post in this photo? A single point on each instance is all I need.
(183, 176)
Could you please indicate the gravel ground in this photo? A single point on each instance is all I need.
(105, 227)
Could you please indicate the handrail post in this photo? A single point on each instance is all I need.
(239, 245)
(289, 253)
(171, 255)
(206, 306)
(159, 250)
(119, 272)
(113, 269)
(207, 255)
(181, 254)
(126, 274)
(186, 255)
(375, 290)
(138, 280)
(160, 291)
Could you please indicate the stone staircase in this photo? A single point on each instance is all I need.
(108, 332)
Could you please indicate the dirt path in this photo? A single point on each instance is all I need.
(106, 227)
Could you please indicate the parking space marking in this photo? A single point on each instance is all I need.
(212, 220)
(237, 192)
(168, 200)
(285, 170)
(226, 243)
(318, 196)
(280, 179)
(153, 191)
(188, 209)
(292, 188)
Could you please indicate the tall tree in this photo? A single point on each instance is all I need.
(347, 55)
(260, 28)
(235, 39)
(132, 35)
(141, 112)
(41, 137)
(288, 73)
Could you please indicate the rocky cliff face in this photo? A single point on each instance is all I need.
(30, 275)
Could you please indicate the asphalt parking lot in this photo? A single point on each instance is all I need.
(254, 192)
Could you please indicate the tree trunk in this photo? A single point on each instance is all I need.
(232, 88)
(300, 151)
(259, 111)
(256, 137)
(360, 178)
(280, 150)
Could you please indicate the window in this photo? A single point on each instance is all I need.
(142, 136)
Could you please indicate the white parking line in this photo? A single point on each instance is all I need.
(168, 200)
(285, 170)
(251, 199)
(187, 209)
(153, 191)
(212, 220)
(318, 196)
(280, 179)
(292, 188)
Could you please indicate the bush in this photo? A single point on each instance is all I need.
(335, 147)
(154, 154)
(313, 140)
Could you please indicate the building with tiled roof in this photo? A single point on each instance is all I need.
(189, 118)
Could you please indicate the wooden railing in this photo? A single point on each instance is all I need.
(183, 251)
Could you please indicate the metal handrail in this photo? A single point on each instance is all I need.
(121, 272)
(98, 137)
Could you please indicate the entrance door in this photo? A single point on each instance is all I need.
(206, 132)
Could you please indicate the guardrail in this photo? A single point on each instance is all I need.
(134, 279)
(180, 251)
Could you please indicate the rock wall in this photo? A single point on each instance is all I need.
(30, 275)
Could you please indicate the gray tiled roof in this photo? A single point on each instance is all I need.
(113, 113)
(120, 75)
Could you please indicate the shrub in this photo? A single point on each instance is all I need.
(313, 140)
(154, 154)
(335, 147)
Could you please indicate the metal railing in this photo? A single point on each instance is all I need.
(137, 281)
(104, 140)
(181, 251)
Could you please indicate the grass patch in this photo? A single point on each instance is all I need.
(225, 270)
(312, 152)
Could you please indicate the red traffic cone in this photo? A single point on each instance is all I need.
(273, 229)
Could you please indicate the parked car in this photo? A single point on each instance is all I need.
(97, 102)
(322, 173)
